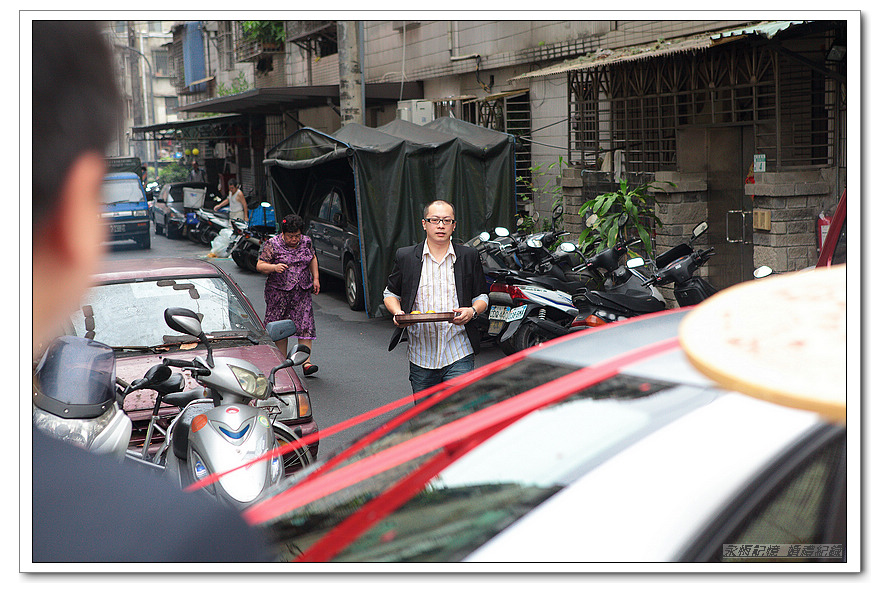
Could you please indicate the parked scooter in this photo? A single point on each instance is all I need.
(249, 240)
(218, 429)
(638, 293)
(75, 398)
(545, 305)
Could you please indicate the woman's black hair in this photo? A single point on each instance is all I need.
(292, 223)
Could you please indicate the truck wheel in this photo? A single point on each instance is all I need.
(354, 288)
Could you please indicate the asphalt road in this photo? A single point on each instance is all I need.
(357, 372)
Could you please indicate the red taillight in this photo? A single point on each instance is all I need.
(590, 321)
(513, 291)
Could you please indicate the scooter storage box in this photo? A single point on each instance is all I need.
(262, 217)
(193, 197)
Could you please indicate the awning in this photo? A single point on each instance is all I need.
(186, 123)
(656, 49)
(275, 100)
(497, 96)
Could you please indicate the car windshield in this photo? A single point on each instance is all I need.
(488, 488)
(121, 190)
(132, 313)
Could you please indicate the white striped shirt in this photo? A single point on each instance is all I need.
(436, 345)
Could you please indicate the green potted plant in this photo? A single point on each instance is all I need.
(614, 213)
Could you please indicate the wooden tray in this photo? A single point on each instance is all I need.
(425, 317)
(782, 339)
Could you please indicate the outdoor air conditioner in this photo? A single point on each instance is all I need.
(417, 111)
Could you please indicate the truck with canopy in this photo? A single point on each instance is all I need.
(387, 175)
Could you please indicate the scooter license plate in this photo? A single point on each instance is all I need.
(498, 312)
(495, 327)
(517, 313)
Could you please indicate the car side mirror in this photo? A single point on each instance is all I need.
(338, 219)
(278, 330)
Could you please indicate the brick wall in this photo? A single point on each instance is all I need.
(794, 200)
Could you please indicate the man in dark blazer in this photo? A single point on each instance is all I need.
(437, 275)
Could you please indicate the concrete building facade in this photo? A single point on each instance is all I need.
(694, 103)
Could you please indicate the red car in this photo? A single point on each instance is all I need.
(834, 248)
(124, 310)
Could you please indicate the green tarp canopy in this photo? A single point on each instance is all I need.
(396, 170)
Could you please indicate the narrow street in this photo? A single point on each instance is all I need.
(357, 372)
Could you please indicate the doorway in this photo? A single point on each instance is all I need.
(729, 151)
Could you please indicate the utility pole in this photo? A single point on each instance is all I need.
(137, 95)
(351, 88)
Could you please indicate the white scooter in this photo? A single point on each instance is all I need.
(217, 429)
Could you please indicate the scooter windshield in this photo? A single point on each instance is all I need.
(78, 372)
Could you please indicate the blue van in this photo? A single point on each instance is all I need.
(126, 211)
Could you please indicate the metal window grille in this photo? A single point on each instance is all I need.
(637, 106)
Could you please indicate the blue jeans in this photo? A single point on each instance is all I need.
(421, 378)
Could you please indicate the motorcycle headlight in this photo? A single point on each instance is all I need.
(76, 431)
(253, 384)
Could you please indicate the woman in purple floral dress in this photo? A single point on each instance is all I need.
(289, 260)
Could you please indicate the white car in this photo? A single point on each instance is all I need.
(604, 446)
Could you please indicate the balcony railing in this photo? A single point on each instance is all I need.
(248, 50)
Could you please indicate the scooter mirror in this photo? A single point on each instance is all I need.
(762, 272)
(534, 243)
(624, 218)
(265, 204)
(502, 231)
(636, 262)
(157, 374)
(700, 229)
(183, 321)
(567, 247)
(484, 236)
(591, 220)
(300, 354)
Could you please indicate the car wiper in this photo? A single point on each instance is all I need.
(232, 335)
(212, 337)
(150, 349)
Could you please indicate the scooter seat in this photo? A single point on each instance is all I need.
(637, 304)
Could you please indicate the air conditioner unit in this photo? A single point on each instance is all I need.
(417, 111)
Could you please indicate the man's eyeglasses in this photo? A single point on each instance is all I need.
(443, 221)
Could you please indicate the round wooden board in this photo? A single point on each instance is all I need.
(782, 339)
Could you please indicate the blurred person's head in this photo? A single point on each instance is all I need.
(76, 106)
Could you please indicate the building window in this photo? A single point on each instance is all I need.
(155, 26)
(160, 62)
(171, 104)
(226, 44)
